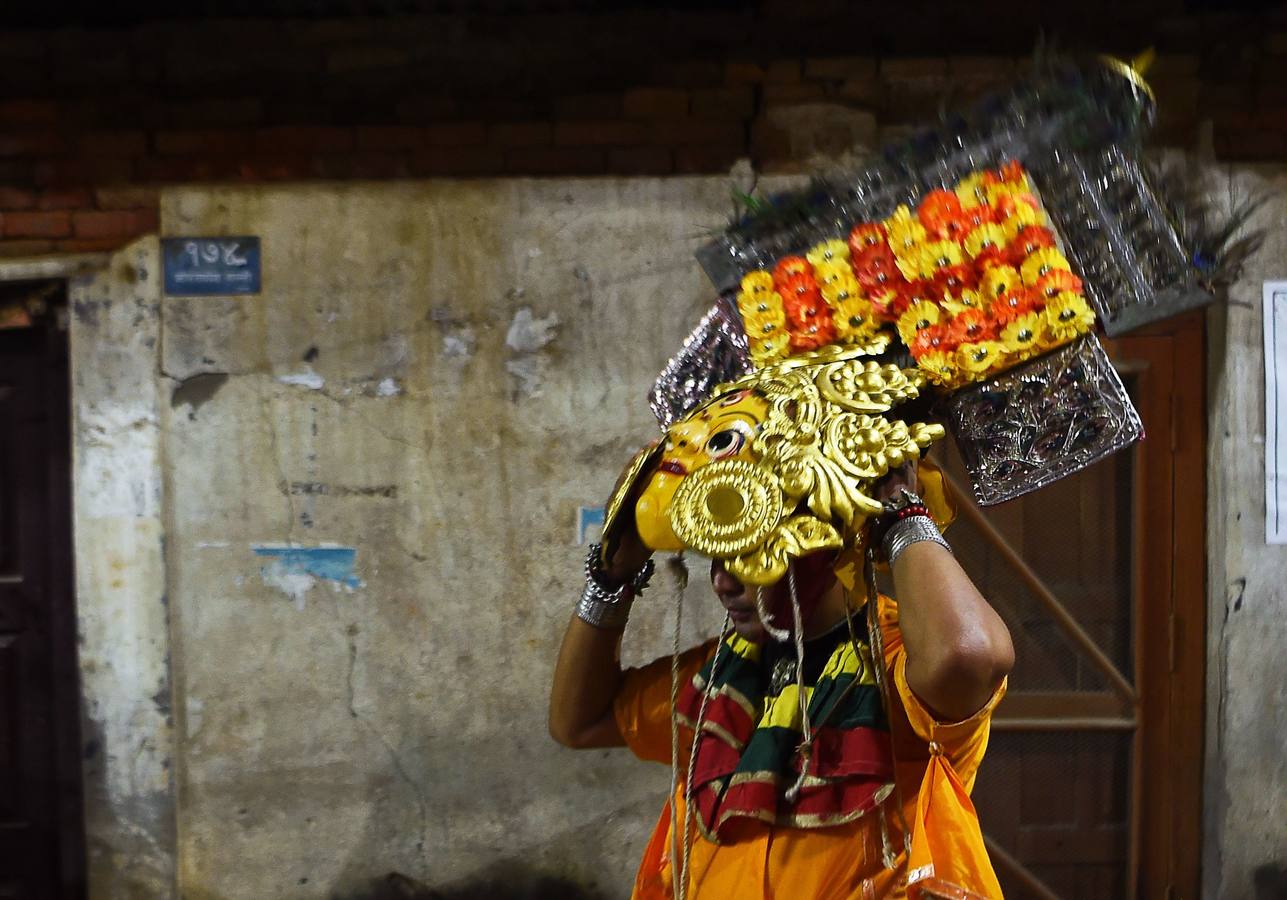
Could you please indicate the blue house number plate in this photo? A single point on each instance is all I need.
(206, 266)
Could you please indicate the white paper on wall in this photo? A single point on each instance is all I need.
(1275, 297)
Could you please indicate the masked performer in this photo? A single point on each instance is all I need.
(825, 745)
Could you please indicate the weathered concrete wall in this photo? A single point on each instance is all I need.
(120, 577)
(371, 474)
(1245, 843)
(436, 376)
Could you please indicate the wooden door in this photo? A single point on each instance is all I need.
(41, 842)
(1091, 788)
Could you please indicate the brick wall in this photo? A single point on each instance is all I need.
(91, 122)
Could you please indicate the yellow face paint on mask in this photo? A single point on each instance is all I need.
(722, 429)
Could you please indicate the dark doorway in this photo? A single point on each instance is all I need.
(41, 831)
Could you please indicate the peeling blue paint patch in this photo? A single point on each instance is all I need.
(589, 524)
(296, 569)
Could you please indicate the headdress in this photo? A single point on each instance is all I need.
(967, 269)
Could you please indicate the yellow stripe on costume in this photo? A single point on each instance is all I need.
(783, 711)
(846, 662)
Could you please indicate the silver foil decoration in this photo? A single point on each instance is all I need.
(714, 353)
(1119, 237)
(1042, 421)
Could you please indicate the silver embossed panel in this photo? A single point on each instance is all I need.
(1041, 421)
(715, 352)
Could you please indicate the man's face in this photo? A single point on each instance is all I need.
(814, 576)
(738, 601)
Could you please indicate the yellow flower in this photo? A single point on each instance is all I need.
(978, 357)
(940, 367)
(996, 193)
(968, 300)
(830, 270)
(757, 282)
(989, 234)
(843, 288)
(770, 349)
(828, 251)
(937, 255)
(1024, 337)
(1041, 261)
(855, 319)
(751, 305)
(999, 280)
(903, 230)
(1068, 315)
(969, 190)
(1020, 216)
(918, 316)
(912, 263)
(763, 322)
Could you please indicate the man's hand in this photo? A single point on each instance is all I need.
(628, 550)
(895, 481)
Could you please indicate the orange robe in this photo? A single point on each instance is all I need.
(834, 863)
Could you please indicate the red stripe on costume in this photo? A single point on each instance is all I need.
(838, 799)
(850, 751)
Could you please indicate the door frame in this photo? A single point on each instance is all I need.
(1164, 706)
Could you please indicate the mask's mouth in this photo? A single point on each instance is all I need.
(673, 466)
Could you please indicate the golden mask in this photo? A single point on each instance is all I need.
(778, 464)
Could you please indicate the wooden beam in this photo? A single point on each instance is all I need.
(1043, 594)
(65, 265)
(1058, 724)
(1003, 860)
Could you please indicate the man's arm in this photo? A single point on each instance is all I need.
(586, 679)
(958, 648)
(588, 672)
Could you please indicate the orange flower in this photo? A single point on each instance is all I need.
(817, 333)
(952, 280)
(801, 309)
(935, 338)
(876, 267)
(971, 326)
(1013, 173)
(1029, 239)
(797, 285)
(868, 234)
(790, 267)
(940, 213)
(1011, 305)
(974, 216)
(1057, 281)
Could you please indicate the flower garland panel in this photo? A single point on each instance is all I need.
(973, 281)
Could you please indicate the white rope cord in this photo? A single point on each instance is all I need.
(806, 746)
(681, 586)
(692, 760)
(876, 639)
(778, 634)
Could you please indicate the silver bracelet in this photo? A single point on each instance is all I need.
(912, 530)
(603, 607)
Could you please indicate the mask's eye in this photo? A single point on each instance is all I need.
(728, 442)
